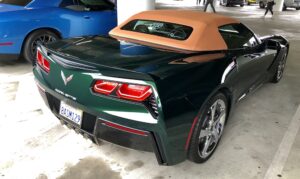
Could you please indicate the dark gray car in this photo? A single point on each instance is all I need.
(232, 2)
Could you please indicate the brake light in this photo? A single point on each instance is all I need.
(39, 58)
(46, 65)
(134, 92)
(124, 91)
(104, 87)
(42, 61)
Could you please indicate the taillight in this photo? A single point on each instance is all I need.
(134, 92)
(104, 87)
(125, 91)
(39, 58)
(42, 61)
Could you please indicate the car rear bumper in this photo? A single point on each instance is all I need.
(98, 127)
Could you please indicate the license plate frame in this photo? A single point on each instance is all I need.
(70, 113)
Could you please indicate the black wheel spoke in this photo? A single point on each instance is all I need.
(42, 39)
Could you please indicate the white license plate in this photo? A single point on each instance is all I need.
(71, 113)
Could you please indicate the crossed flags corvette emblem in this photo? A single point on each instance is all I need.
(65, 79)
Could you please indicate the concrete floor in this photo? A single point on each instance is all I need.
(257, 143)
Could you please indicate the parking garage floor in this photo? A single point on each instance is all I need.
(261, 139)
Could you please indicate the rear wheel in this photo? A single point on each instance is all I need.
(209, 129)
(297, 8)
(39, 36)
(242, 5)
(280, 69)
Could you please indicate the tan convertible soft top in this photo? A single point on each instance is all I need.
(205, 35)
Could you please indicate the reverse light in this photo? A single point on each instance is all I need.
(104, 87)
(134, 92)
(42, 61)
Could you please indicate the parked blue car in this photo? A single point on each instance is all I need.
(25, 23)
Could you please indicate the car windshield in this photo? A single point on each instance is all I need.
(16, 2)
(163, 29)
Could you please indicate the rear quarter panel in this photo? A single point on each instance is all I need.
(183, 92)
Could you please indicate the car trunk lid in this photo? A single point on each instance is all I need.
(110, 57)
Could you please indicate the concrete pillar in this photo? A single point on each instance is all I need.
(127, 8)
(278, 6)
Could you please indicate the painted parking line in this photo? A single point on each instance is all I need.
(285, 146)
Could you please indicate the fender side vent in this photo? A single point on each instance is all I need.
(153, 106)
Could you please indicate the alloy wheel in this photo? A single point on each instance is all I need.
(280, 67)
(212, 129)
(43, 39)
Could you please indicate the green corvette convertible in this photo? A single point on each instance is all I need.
(164, 81)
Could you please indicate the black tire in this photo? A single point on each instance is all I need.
(249, 3)
(261, 5)
(284, 7)
(227, 4)
(297, 8)
(242, 5)
(41, 36)
(280, 66)
(196, 145)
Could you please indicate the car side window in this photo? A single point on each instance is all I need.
(87, 5)
(66, 3)
(16, 2)
(97, 5)
(237, 36)
(73, 5)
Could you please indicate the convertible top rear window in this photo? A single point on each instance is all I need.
(16, 2)
(163, 29)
